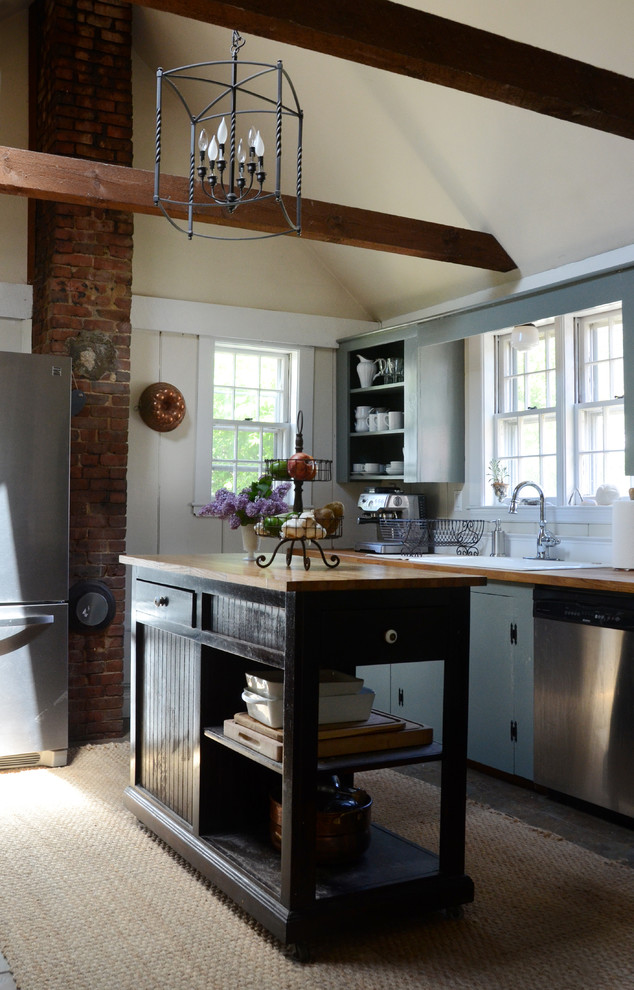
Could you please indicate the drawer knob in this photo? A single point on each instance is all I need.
(163, 600)
(391, 636)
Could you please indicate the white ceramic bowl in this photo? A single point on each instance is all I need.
(335, 708)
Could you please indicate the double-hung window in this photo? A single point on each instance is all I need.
(526, 409)
(558, 418)
(600, 424)
(254, 399)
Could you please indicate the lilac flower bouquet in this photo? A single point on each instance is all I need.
(257, 499)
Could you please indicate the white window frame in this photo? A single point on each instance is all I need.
(301, 389)
(282, 429)
(584, 402)
(481, 357)
(502, 378)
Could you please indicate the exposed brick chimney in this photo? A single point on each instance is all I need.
(81, 105)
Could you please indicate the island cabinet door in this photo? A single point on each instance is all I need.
(167, 743)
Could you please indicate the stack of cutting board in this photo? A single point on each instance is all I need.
(380, 731)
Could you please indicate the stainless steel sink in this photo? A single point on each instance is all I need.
(496, 563)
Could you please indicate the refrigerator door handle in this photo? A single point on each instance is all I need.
(28, 620)
(27, 628)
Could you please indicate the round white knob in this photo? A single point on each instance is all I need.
(391, 636)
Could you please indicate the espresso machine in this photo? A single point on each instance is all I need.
(385, 509)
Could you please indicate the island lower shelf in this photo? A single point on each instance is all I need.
(347, 762)
(394, 872)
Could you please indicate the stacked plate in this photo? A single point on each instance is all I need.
(342, 698)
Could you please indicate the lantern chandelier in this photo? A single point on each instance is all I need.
(227, 161)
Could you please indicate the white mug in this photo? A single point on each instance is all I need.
(373, 422)
(382, 420)
(361, 425)
(395, 420)
(361, 412)
(371, 468)
(358, 468)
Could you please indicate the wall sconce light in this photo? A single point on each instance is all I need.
(524, 337)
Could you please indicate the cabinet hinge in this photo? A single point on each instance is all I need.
(514, 633)
(513, 731)
(401, 698)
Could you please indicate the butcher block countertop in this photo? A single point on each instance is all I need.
(589, 579)
(355, 572)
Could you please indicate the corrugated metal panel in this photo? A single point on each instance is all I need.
(170, 722)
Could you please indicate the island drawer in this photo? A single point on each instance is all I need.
(164, 602)
(390, 634)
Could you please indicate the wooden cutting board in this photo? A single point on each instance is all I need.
(377, 722)
(380, 732)
(253, 739)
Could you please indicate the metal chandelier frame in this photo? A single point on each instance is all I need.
(230, 171)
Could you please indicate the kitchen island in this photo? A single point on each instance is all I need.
(199, 623)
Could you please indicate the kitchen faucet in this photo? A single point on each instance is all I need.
(545, 539)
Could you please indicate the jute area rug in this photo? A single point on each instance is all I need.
(90, 901)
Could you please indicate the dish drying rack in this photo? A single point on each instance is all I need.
(422, 536)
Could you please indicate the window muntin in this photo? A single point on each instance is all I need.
(251, 412)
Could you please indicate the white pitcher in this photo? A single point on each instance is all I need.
(366, 370)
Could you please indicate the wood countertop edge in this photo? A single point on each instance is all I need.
(355, 574)
(591, 579)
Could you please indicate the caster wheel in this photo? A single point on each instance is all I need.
(299, 951)
(455, 913)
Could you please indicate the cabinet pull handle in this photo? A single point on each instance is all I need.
(163, 600)
(391, 636)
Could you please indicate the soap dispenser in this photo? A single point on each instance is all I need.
(498, 538)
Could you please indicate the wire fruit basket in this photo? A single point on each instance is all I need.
(302, 531)
(422, 536)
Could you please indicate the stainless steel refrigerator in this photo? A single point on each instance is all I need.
(34, 505)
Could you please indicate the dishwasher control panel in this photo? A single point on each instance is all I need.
(584, 608)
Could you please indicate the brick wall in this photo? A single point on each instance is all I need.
(81, 105)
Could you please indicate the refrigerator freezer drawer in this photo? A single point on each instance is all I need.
(33, 684)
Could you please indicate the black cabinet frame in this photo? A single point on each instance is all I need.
(206, 795)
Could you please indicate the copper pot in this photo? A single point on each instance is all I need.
(342, 822)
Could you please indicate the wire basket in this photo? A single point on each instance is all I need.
(272, 527)
(424, 535)
(314, 469)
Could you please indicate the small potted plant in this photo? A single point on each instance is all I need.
(498, 476)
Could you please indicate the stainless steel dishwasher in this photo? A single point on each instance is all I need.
(584, 696)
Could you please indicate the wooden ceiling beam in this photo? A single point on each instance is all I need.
(414, 43)
(87, 183)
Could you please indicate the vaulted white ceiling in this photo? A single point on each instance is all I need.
(551, 192)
